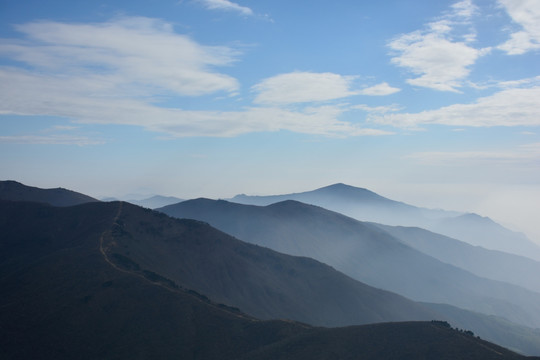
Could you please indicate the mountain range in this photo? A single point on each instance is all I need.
(70, 294)
(365, 205)
(364, 252)
(84, 282)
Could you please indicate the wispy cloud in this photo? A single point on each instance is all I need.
(526, 13)
(227, 6)
(28, 94)
(114, 72)
(127, 56)
(439, 55)
(51, 140)
(510, 107)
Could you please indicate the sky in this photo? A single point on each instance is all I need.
(435, 103)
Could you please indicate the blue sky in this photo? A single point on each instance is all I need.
(436, 103)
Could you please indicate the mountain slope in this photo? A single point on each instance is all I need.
(15, 191)
(490, 264)
(365, 205)
(482, 231)
(363, 252)
(260, 281)
(63, 300)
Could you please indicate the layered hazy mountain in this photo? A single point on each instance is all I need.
(114, 280)
(366, 205)
(491, 264)
(364, 252)
(156, 201)
(15, 191)
(82, 282)
(150, 202)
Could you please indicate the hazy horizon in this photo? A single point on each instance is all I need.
(431, 103)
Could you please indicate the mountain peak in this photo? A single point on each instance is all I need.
(344, 187)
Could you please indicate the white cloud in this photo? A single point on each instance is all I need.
(114, 72)
(302, 87)
(381, 89)
(226, 5)
(440, 61)
(526, 13)
(510, 107)
(128, 56)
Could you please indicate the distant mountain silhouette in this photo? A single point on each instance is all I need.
(156, 201)
(482, 231)
(72, 289)
(15, 191)
(366, 205)
(364, 252)
(491, 264)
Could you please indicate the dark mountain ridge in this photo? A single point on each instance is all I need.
(15, 191)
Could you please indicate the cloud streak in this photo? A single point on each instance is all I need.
(226, 5)
(381, 89)
(128, 56)
(524, 154)
(50, 140)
